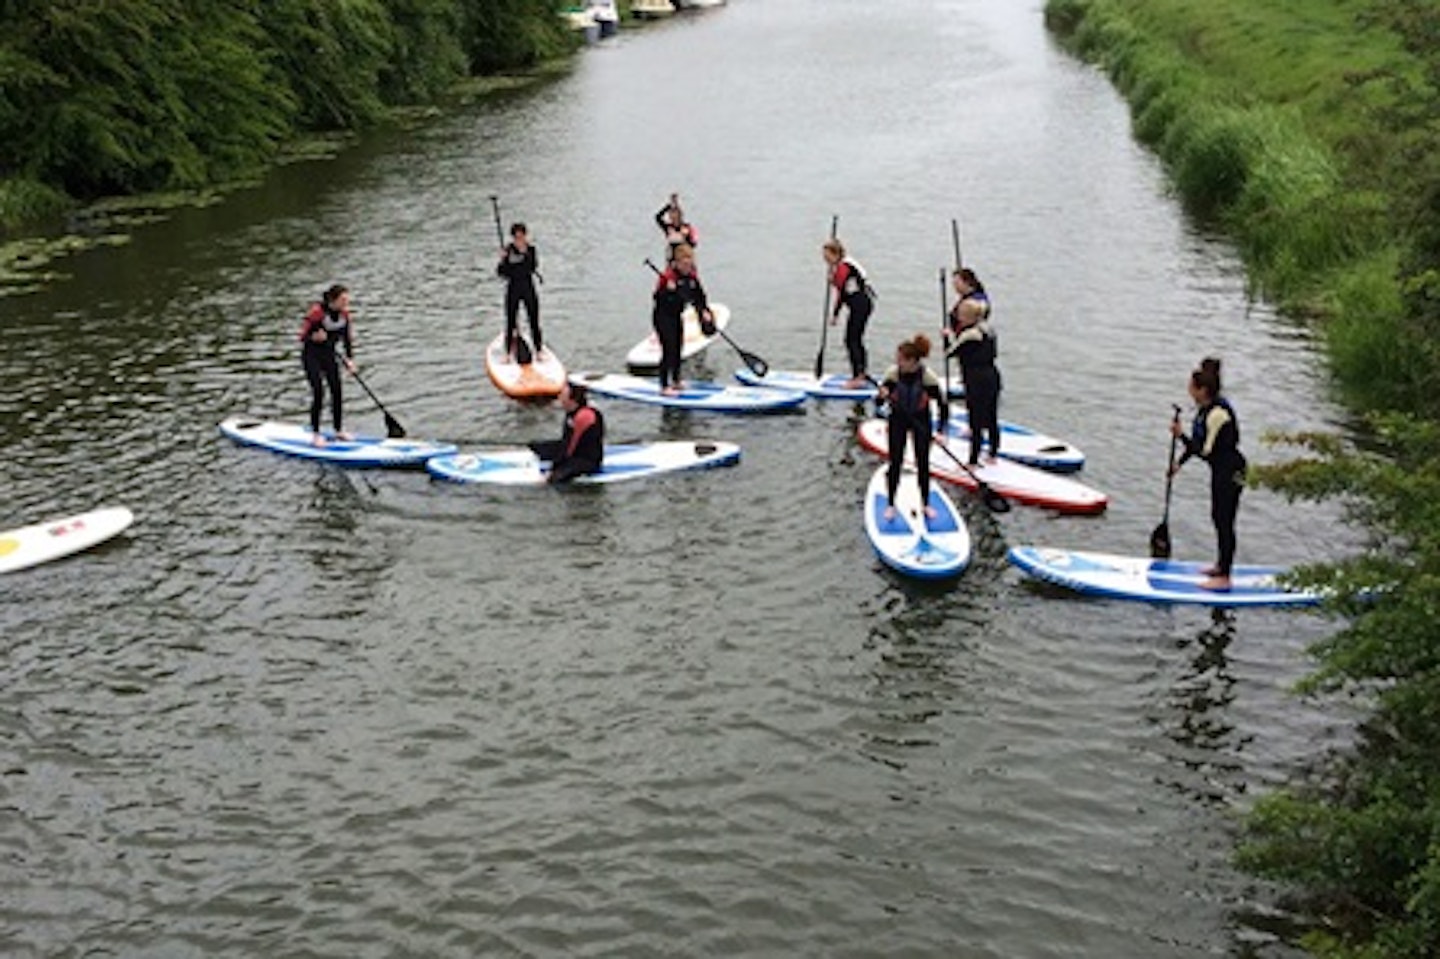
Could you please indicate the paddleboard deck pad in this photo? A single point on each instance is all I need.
(292, 439)
(1155, 580)
(644, 357)
(521, 467)
(541, 378)
(697, 395)
(28, 546)
(1016, 481)
(910, 542)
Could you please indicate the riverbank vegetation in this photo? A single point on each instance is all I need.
(131, 96)
(1310, 133)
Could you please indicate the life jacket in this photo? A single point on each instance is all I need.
(854, 283)
(335, 323)
(590, 445)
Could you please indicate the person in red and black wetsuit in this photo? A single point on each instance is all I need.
(581, 447)
(1215, 437)
(910, 389)
(519, 265)
(853, 293)
(671, 221)
(677, 287)
(327, 325)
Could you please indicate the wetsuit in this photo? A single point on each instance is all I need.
(675, 235)
(1215, 438)
(853, 291)
(519, 270)
(911, 395)
(975, 349)
(665, 318)
(580, 449)
(322, 366)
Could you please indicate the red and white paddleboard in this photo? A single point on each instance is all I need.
(29, 546)
(1023, 484)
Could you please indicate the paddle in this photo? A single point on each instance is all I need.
(393, 429)
(995, 502)
(825, 316)
(757, 365)
(1160, 535)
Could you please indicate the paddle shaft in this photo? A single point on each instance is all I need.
(825, 314)
(1170, 469)
(992, 499)
(393, 429)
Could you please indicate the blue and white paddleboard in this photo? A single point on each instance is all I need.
(1155, 580)
(292, 439)
(830, 387)
(1020, 444)
(28, 546)
(697, 395)
(644, 356)
(517, 467)
(909, 542)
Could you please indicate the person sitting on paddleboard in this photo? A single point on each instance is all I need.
(909, 387)
(581, 447)
(519, 265)
(677, 287)
(671, 221)
(972, 343)
(1215, 437)
(326, 324)
(853, 293)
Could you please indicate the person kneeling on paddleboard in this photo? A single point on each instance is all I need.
(677, 287)
(854, 293)
(581, 447)
(972, 343)
(326, 324)
(909, 387)
(1215, 438)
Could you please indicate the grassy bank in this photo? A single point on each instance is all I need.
(1309, 131)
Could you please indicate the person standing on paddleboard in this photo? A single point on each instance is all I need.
(854, 294)
(519, 265)
(326, 325)
(671, 220)
(1215, 438)
(910, 387)
(972, 343)
(580, 450)
(677, 287)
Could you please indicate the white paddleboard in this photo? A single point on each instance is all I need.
(831, 387)
(645, 355)
(1018, 443)
(712, 397)
(909, 542)
(292, 439)
(28, 546)
(1023, 484)
(521, 467)
(541, 378)
(1155, 580)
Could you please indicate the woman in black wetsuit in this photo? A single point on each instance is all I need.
(973, 344)
(327, 325)
(677, 287)
(519, 265)
(1215, 438)
(909, 387)
(854, 294)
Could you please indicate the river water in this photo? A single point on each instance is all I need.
(306, 712)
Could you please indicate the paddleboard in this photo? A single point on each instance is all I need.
(1018, 443)
(830, 387)
(521, 467)
(540, 379)
(1016, 481)
(644, 357)
(702, 395)
(1155, 580)
(909, 542)
(29, 546)
(292, 439)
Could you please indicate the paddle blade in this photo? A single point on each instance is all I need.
(820, 365)
(523, 355)
(1160, 542)
(757, 366)
(393, 429)
(993, 501)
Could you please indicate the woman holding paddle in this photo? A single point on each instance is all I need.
(972, 342)
(671, 221)
(326, 325)
(853, 293)
(519, 265)
(1215, 438)
(910, 388)
(677, 287)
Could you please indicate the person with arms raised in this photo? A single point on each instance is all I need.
(671, 221)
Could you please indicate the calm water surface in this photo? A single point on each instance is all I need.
(300, 711)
